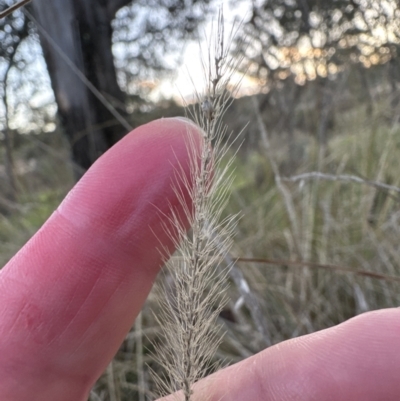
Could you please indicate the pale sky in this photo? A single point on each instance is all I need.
(175, 87)
(181, 85)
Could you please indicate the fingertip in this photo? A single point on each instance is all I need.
(78, 284)
(150, 151)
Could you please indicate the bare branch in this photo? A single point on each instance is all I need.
(338, 268)
(343, 177)
(13, 8)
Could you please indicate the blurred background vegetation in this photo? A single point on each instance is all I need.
(321, 95)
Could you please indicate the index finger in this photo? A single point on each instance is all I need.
(70, 295)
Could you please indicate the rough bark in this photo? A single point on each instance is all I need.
(81, 29)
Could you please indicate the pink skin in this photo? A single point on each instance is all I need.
(70, 295)
(358, 360)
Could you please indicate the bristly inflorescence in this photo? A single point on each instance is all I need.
(191, 305)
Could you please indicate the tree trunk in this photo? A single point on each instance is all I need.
(81, 30)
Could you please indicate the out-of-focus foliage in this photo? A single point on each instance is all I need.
(26, 100)
(143, 40)
(149, 37)
(13, 29)
(310, 38)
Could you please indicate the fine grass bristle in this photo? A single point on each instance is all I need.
(192, 303)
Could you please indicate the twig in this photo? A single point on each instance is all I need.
(341, 177)
(343, 269)
(14, 7)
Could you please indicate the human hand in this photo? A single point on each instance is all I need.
(68, 298)
(358, 360)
